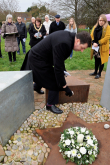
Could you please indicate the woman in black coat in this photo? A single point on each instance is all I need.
(37, 32)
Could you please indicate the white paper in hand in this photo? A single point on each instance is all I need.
(95, 48)
(24, 39)
(66, 74)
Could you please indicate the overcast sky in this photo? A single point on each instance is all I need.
(24, 4)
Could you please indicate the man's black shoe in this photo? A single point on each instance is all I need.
(98, 76)
(93, 74)
(54, 109)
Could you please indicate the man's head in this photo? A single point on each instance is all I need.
(46, 18)
(57, 18)
(19, 19)
(82, 41)
(33, 20)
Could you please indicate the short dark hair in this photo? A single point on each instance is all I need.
(84, 38)
(38, 19)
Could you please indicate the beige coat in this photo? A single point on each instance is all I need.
(11, 44)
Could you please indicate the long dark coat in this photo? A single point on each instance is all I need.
(32, 31)
(46, 59)
(54, 27)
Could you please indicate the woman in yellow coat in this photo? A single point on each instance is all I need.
(100, 37)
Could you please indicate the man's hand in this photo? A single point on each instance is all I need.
(68, 91)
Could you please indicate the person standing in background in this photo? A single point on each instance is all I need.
(100, 40)
(32, 23)
(71, 27)
(9, 32)
(37, 32)
(22, 34)
(47, 23)
(56, 25)
(0, 46)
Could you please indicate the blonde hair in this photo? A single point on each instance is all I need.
(105, 20)
(74, 23)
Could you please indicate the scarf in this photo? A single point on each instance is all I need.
(97, 33)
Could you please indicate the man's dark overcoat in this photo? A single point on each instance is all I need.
(46, 59)
(54, 27)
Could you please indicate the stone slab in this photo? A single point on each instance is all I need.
(51, 136)
(80, 89)
(105, 98)
(16, 101)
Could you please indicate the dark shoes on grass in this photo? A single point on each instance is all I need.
(93, 74)
(97, 76)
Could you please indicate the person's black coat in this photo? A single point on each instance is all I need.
(29, 30)
(21, 30)
(30, 27)
(32, 31)
(46, 59)
(54, 27)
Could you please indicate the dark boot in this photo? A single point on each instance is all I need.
(10, 56)
(14, 56)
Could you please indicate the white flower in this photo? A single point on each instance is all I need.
(95, 147)
(72, 141)
(77, 132)
(76, 128)
(96, 155)
(59, 150)
(90, 142)
(83, 129)
(87, 161)
(62, 137)
(83, 150)
(94, 152)
(87, 132)
(81, 144)
(68, 153)
(73, 152)
(64, 145)
(67, 142)
(77, 147)
(87, 145)
(71, 132)
(88, 137)
(90, 152)
(94, 137)
(79, 156)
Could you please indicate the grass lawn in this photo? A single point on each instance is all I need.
(79, 61)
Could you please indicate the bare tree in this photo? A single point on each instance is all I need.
(90, 10)
(8, 6)
(66, 8)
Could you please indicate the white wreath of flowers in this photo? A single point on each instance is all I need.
(79, 145)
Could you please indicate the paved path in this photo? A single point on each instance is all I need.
(95, 91)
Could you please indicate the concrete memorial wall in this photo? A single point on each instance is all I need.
(16, 101)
